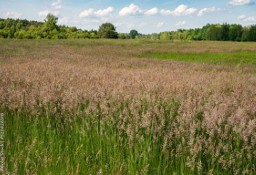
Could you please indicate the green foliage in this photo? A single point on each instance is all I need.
(165, 36)
(155, 36)
(212, 32)
(224, 32)
(118, 140)
(50, 23)
(253, 33)
(133, 33)
(123, 36)
(236, 58)
(107, 30)
(246, 34)
(235, 32)
(24, 29)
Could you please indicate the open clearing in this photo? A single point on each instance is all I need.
(128, 107)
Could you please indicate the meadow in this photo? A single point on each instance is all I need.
(128, 107)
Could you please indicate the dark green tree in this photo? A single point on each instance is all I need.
(107, 30)
(246, 34)
(51, 22)
(252, 33)
(224, 31)
(235, 32)
(214, 32)
(133, 33)
(2, 25)
(50, 28)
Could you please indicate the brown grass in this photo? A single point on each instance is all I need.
(74, 74)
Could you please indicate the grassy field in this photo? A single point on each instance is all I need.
(128, 107)
(233, 58)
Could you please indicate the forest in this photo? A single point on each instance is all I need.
(49, 29)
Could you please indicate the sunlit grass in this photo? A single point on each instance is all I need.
(96, 107)
(233, 58)
(120, 140)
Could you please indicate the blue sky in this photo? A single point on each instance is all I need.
(146, 16)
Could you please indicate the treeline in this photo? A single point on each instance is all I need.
(24, 29)
(212, 32)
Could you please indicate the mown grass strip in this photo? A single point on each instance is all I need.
(234, 58)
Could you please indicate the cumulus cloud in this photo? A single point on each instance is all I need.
(241, 17)
(87, 13)
(152, 11)
(96, 13)
(203, 11)
(53, 9)
(56, 4)
(13, 15)
(246, 18)
(105, 12)
(44, 13)
(181, 23)
(130, 10)
(241, 2)
(181, 10)
(249, 19)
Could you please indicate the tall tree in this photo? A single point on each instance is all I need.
(224, 32)
(252, 33)
(235, 32)
(51, 22)
(107, 30)
(214, 32)
(133, 33)
(246, 34)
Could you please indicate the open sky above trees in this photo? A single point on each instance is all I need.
(146, 16)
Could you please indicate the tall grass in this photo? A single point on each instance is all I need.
(93, 107)
(122, 138)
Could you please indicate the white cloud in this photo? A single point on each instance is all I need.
(44, 13)
(87, 13)
(130, 10)
(181, 23)
(160, 24)
(166, 12)
(152, 11)
(246, 18)
(249, 19)
(241, 17)
(203, 11)
(96, 13)
(241, 2)
(13, 15)
(181, 10)
(56, 4)
(105, 12)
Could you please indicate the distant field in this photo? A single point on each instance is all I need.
(226, 53)
(233, 58)
(128, 107)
